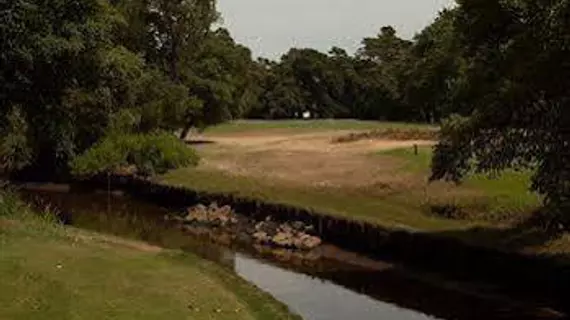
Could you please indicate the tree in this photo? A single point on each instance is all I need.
(386, 61)
(47, 52)
(319, 79)
(65, 77)
(386, 48)
(170, 33)
(434, 71)
(519, 62)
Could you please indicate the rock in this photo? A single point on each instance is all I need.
(226, 210)
(198, 208)
(285, 228)
(211, 215)
(213, 206)
(298, 225)
(268, 227)
(282, 254)
(223, 220)
(311, 242)
(189, 218)
(298, 243)
(283, 239)
(261, 237)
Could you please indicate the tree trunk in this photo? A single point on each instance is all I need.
(185, 132)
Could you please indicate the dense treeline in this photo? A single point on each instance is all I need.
(389, 78)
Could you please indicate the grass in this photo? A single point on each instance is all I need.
(506, 193)
(401, 209)
(243, 126)
(51, 272)
(394, 210)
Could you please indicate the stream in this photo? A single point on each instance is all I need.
(334, 285)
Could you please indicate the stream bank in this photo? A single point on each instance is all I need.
(345, 273)
(544, 278)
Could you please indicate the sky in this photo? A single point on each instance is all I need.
(271, 27)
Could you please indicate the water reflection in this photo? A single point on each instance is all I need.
(317, 299)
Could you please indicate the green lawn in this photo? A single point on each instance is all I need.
(49, 272)
(242, 126)
(505, 193)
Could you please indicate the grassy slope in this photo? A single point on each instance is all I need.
(395, 210)
(55, 273)
(241, 126)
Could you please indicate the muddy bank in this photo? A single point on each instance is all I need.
(521, 276)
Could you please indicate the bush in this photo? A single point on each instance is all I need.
(149, 154)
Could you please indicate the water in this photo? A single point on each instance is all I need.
(339, 285)
(318, 299)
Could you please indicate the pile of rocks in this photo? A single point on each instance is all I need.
(293, 235)
(211, 215)
(288, 235)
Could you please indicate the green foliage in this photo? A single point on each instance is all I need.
(389, 78)
(73, 73)
(222, 76)
(517, 53)
(435, 69)
(148, 153)
(14, 149)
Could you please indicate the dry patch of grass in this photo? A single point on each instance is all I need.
(400, 134)
(306, 159)
(389, 171)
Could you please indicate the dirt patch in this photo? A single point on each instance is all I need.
(306, 159)
(390, 133)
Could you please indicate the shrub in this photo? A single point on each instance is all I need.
(149, 154)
